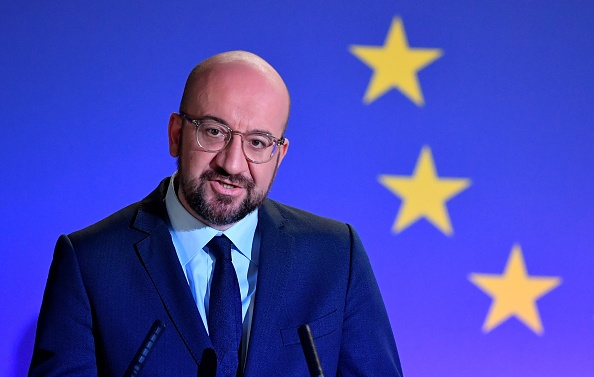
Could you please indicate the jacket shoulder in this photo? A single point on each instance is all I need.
(121, 225)
(297, 221)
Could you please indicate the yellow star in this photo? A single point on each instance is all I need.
(514, 293)
(424, 194)
(395, 64)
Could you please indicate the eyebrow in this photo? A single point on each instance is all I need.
(222, 121)
(216, 119)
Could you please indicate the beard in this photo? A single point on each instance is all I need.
(220, 210)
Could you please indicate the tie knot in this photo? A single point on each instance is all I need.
(220, 246)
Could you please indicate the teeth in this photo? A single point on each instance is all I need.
(226, 185)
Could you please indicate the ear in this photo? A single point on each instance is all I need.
(174, 132)
(282, 151)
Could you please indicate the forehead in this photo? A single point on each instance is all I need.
(245, 97)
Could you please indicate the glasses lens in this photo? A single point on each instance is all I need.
(212, 136)
(258, 147)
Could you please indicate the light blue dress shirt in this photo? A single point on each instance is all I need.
(190, 237)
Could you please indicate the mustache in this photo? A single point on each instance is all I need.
(220, 174)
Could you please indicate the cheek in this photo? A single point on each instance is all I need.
(262, 175)
(196, 162)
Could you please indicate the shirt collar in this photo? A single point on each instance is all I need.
(193, 234)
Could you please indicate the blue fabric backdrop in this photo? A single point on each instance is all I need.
(455, 136)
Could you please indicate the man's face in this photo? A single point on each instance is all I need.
(222, 188)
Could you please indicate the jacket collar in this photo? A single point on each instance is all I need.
(159, 258)
(276, 261)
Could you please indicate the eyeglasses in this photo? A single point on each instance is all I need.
(213, 136)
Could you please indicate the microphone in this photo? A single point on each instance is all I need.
(309, 350)
(208, 364)
(145, 349)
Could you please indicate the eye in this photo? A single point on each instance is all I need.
(258, 141)
(213, 130)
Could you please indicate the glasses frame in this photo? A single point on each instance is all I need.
(199, 122)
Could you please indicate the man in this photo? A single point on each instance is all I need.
(159, 259)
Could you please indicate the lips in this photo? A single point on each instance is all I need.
(228, 185)
(226, 188)
(231, 186)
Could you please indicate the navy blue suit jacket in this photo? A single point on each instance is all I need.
(109, 282)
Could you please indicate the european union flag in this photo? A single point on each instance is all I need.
(455, 136)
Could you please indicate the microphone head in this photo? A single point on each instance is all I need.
(208, 363)
(145, 349)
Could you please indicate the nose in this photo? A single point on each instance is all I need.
(232, 158)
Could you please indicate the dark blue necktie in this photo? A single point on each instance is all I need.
(224, 313)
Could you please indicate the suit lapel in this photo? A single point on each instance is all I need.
(159, 258)
(276, 259)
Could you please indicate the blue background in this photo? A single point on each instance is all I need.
(86, 89)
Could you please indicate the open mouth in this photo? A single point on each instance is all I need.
(227, 185)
